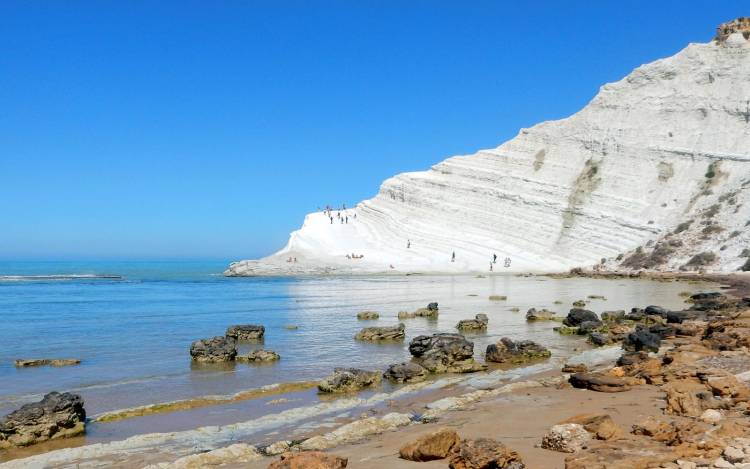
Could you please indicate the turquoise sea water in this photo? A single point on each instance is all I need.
(133, 334)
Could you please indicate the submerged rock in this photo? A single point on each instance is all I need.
(613, 316)
(406, 315)
(498, 297)
(577, 316)
(479, 323)
(348, 380)
(534, 314)
(445, 353)
(259, 356)
(405, 373)
(309, 460)
(248, 332)
(367, 315)
(215, 349)
(435, 445)
(23, 363)
(484, 453)
(508, 351)
(57, 415)
(430, 312)
(382, 333)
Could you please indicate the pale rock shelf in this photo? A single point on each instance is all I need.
(651, 151)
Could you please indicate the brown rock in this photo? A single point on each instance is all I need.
(574, 368)
(682, 397)
(484, 453)
(435, 445)
(309, 460)
(632, 453)
(600, 425)
(598, 382)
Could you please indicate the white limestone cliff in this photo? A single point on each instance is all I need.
(667, 144)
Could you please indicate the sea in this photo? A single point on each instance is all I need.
(131, 323)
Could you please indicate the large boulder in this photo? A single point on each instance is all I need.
(484, 453)
(435, 445)
(642, 340)
(382, 333)
(577, 316)
(405, 373)
(348, 380)
(479, 323)
(601, 426)
(566, 438)
(309, 460)
(444, 353)
(508, 351)
(57, 415)
(656, 311)
(534, 314)
(215, 349)
(246, 332)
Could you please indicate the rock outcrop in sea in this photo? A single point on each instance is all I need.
(654, 174)
(57, 415)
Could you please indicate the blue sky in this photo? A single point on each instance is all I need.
(208, 129)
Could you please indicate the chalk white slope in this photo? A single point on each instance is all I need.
(646, 154)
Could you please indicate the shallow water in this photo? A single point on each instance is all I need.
(133, 334)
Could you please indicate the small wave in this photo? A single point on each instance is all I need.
(58, 277)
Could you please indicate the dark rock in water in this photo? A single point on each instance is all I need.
(348, 380)
(598, 382)
(444, 353)
(477, 324)
(599, 339)
(246, 332)
(260, 356)
(507, 351)
(215, 349)
(706, 296)
(576, 316)
(55, 416)
(375, 334)
(656, 310)
(430, 312)
(613, 316)
(432, 306)
(642, 340)
(632, 358)
(663, 331)
(405, 373)
(539, 315)
(587, 327)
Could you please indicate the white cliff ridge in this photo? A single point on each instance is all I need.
(665, 149)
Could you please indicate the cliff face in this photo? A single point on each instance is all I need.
(667, 145)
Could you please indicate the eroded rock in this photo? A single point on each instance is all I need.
(57, 415)
(577, 316)
(444, 353)
(508, 351)
(405, 373)
(367, 315)
(348, 380)
(534, 314)
(435, 445)
(566, 438)
(484, 453)
(598, 382)
(215, 349)
(374, 334)
(246, 332)
(479, 323)
(309, 460)
(261, 355)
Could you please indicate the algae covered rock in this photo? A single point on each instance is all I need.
(508, 351)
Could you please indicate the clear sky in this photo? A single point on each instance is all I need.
(208, 129)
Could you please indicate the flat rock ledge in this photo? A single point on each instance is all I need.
(57, 415)
(261, 355)
(479, 323)
(375, 334)
(28, 362)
